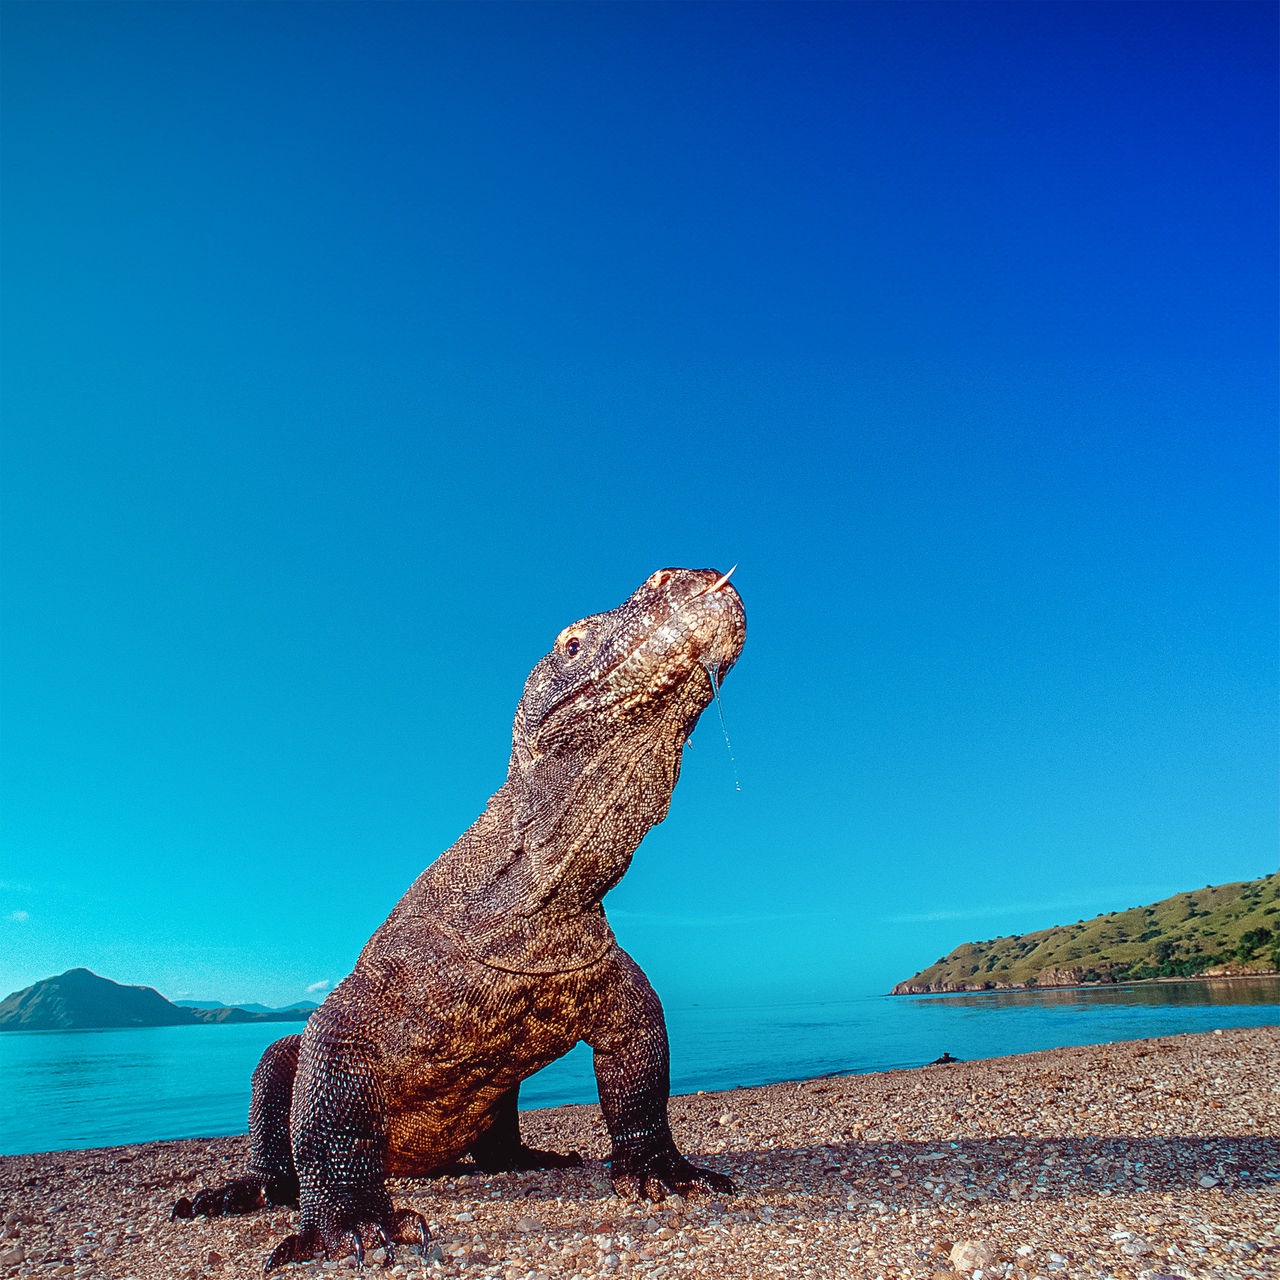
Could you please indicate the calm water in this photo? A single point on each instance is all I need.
(100, 1088)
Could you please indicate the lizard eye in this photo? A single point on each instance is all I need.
(572, 645)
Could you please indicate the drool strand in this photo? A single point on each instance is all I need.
(713, 671)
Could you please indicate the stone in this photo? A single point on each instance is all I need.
(972, 1255)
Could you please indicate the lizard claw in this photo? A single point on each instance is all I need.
(405, 1225)
(666, 1172)
(406, 1220)
(696, 1179)
(297, 1248)
(241, 1195)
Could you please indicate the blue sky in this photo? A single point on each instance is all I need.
(352, 351)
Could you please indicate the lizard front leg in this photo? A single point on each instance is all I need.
(271, 1177)
(339, 1123)
(632, 1066)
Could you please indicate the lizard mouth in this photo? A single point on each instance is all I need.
(716, 585)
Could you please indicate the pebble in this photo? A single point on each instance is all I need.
(972, 1255)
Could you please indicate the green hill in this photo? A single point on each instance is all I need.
(80, 999)
(1225, 929)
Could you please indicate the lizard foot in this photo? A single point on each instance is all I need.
(664, 1172)
(522, 1159)
(404, 1225)
(240, 1195)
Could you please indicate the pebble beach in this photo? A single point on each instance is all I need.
(1136, 1161)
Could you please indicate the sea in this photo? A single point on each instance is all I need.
(62, 1090)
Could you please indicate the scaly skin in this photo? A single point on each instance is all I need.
(499, 959)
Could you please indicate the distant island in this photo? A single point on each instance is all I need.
(81, 1000)
(1219, 931)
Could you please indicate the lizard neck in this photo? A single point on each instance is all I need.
(487, 874)
(576, 854)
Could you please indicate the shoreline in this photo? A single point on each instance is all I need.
(1023, 987)
(1132, 1160)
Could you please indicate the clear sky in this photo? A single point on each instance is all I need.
(352, 351)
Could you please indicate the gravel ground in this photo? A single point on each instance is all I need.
(1155, 1158)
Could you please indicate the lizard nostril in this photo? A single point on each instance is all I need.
(658, 579)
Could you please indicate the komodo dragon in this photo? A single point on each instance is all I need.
(499, 959)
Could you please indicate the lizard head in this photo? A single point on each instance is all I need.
(598, 733)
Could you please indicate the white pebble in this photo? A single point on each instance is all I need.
(972, 1255)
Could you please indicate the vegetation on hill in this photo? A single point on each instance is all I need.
(299, 1006)
(80, 999)
(1230, 928)
(233, 1013)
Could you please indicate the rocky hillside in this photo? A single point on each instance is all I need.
(1230, 928)
(79, 999)
(298, 1006)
